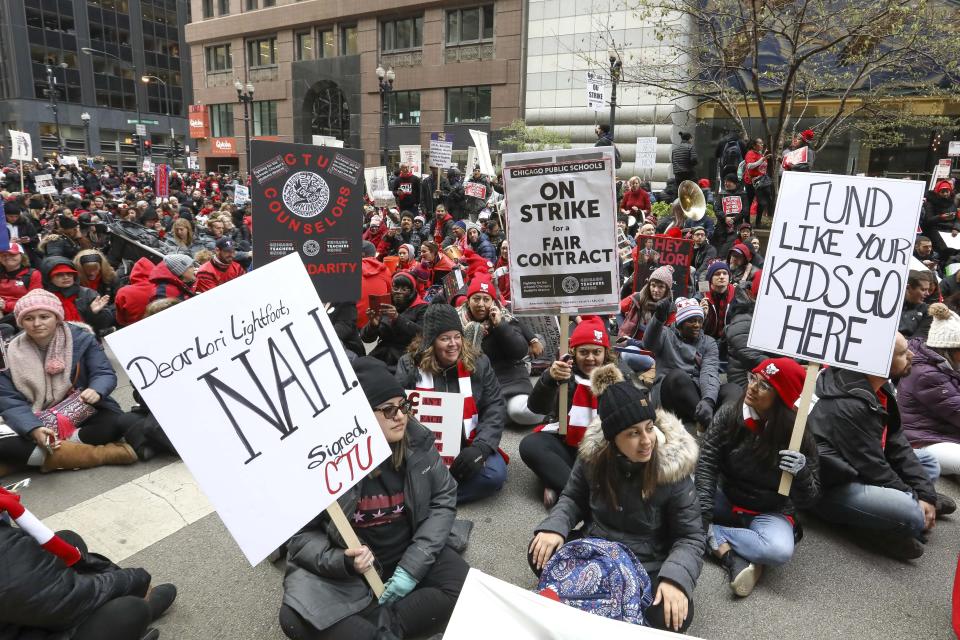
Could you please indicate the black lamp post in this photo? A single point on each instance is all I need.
(52, 94)
(85, 117)
(386, 79)
(166, 111)
(616, 66)
(245, 96)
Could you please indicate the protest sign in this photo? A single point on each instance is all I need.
(259, 400)
(561, 225)
(732, 205)
(69, 161)
(483, 153)
(161, 181)
(797, 156)
(953, 149)
(378, 187)
(410, 156)
(21, 147)
(241, 195)
(941, 171)
(475, 190)
(147, 165)
(309, 200)
(646, 153)
(44, 182)
(441, 150)
(595, 90)
(193, 162)
(442, 413)
(655, 251)
(549, 329)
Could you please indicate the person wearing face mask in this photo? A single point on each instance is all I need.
(742, 456)
(394, 326)
(548, 454)
(688, 362)
(632, 488)
(443, 361)
(80, 304)
(324, 592)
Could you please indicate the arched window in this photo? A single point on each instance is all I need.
(328, 109)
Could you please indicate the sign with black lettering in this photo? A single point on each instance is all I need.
(259, 400)
(309, 200)
(653, 252)
(836, 269)
(562, 228)
(442, 413)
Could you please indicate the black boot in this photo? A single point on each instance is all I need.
(743, 575)
(893, 545)
(160, 598)
(945, 505)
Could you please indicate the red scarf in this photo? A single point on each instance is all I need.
(70, 312)
(465, 386)
(582, 411)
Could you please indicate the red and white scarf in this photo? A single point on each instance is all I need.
(752, 419)
(582, 411)
(29, 523)
(470, 417)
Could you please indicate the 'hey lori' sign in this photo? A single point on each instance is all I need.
(836, 269)
(259, 400)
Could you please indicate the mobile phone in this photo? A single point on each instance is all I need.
(567, 357)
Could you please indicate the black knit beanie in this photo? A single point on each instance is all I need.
(377, 382)
(438, 319)
(620, 404)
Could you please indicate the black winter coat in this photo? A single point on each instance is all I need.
(85, 296)
(506, 347)
(395, 336)
(741, 358)
(848, 422)
(939, 214)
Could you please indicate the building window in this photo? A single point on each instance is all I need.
(468, 104)
(252, 5)
(466, 26)
(265, 118)
(207, 8)
(348, 41)
(224, 7)
(262, 52)
(269, 3)
(328, 48)
(303, 48)
(404, 107)
(219, 58)
(221, 120)
(399, 35)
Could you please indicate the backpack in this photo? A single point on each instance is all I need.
(731, 158)
(598, 576)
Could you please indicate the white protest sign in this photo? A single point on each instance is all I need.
(241, 195)
(561, 225)
(483, 153)
(69, 161)
(441, 153)
(646, 153)
(471, 160)
(941, 171)
(21, 147)
(595, 91)
(193, 162)
(953, 149)
(950, 240)
(259, 400)
(836, 268)
(378, 186)
(410, 156)
(797, 156)
(442, 413)
(147, 165)
(45, 184)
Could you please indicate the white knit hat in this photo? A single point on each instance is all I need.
(945, 329)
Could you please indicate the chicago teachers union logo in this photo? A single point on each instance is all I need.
(311, 248)
(570, 284)
(306, 194)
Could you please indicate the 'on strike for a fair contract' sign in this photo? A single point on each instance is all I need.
(836, 269)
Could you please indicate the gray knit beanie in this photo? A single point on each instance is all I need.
(178, 263)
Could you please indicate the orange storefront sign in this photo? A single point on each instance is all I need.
(223, 147)
(199, 121)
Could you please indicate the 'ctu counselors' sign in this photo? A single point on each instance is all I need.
(309, 200)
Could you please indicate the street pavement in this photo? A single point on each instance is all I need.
(152, 515)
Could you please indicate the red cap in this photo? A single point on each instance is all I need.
(63, 268)
(742, 249)
(14, 248)
(785, 375)
(591, 330)
(943, 184)
(703, 183)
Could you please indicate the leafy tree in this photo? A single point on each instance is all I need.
(517, 136)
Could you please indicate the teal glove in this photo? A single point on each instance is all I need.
(399, 585)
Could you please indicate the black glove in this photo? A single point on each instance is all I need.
(704, 412)
(664, 307)
(468, 463)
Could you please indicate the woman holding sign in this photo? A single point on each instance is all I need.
(743, 453)
(402, 513)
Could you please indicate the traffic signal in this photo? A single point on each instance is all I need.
(147, 148)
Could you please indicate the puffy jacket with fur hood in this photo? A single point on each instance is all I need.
(664, 529)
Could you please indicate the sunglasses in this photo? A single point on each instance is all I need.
(390, 411)
(759, 382)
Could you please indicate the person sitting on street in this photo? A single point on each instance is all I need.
(637, 310)
(716, 302)
(742, 456)
(631, 485)
(914, 319)
(703, 255)
(740, 260)
(222, 268)
(324, 591)
(16, 278)
(740, 357)
(94, 272)
(80, 304)
(395, 325)
(940, 216)
(64, 240)
(874, 484)
(441, 360)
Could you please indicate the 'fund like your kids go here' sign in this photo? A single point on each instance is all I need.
(836, 269)
(259, 400)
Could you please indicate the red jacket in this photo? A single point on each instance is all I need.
(13, 287)
(639, 199)
(210, 276)
(375, 280)
(132, 299)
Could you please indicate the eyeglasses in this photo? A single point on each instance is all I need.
(390, 411)
(759, 382)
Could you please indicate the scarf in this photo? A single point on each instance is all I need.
(752, 419)
(69, 302)
(582, 412)
(470, 417)
(43, 383)
(30, 524)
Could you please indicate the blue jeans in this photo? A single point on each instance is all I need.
(631, 356)
(485, 483)
(767, 539)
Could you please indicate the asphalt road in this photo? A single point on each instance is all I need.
(831, 588)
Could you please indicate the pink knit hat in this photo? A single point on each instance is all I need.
(38, 300)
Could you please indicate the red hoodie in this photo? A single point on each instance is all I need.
(132, 299)
(375, 280)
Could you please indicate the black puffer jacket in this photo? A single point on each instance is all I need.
(848, 422)
(43, 599)
(741, 358)
(664, 530)
(395, 336)
(506, 347)
(727, 460)
(939, 214)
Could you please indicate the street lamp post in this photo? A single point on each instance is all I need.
(245, 96)
(616, 66)
(52, 92)
(166, 111)
(136, 101)
(85, 117)
(386, 79)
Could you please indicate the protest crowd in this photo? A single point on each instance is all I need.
(675, 433)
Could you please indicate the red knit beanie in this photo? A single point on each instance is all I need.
(785, 375)
(590, 331)
(807, 134)
(482, 283)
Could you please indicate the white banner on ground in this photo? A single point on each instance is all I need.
(561, 224)
(646, 153)
(510, 612)
(21, 147)
(241, 195)
(595, 91)
(441, 153)
(836, 268)
(483, 153)
(442, 413)
(410, 156)
(259, 399)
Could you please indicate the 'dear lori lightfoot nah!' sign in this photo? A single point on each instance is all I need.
(309, 200)
(836, 269)
(259, 399)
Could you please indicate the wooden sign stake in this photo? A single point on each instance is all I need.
(800, 425)
(350, 537)
(564, 348)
